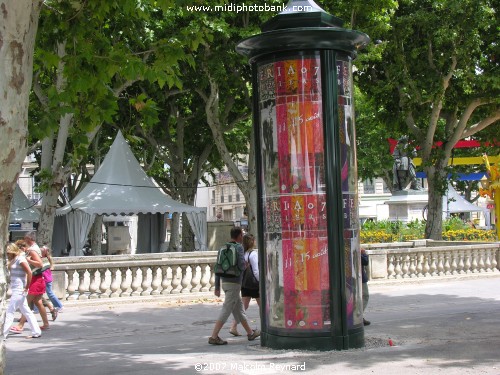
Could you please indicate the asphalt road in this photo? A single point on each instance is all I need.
(449, 327)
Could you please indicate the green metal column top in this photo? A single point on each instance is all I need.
(303, 25)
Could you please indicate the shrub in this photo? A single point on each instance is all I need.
(454, 229)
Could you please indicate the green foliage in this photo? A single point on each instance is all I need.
(454, 229)
(434, 77)
(101, 48)
(454, 223)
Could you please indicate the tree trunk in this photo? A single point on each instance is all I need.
(47, 215)
(96, 236)
(434, 225)
(17, 38)
(173, 244)
(187, 235)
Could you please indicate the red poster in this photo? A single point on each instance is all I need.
(324, 269)
(286, 214)
(303, 249)
(288, 281)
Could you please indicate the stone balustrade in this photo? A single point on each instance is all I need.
(144, 275)
(162, 274)
(426, 259)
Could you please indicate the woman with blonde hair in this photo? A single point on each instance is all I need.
(20, 278)
(36, 287)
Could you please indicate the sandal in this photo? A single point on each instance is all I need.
(44, 328)
(54, 314)
(34, 337)
(15, 329)
(217, 341)
(234, 333)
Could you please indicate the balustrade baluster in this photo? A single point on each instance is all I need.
(176, 281)
(124, 283)
(413, 266)
(146, 282)
(195, 279)
(487, 260)
(156, 280)
(447, 264)
(426, 269)
(397, 268)
(115, 284)
(468, 263)
(81, 285)
(136, 281)
(390, 267)
(94, 284)
(420, 264)
(185, 281)
(453, 263)
(494, 262)
(481, 264)
(103, 287)
(460, 264)
(440, 264)
(165, 281)
(71, 285)
(474, 264)
(433, 267)
(205, 278)
(406, 265)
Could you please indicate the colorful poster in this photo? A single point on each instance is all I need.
(349, 183)
(292, 153)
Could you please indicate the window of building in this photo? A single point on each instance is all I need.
(238, 212)
(222, 195)
(385, 187)
(213, 196)
(228, 215)
(368, 187)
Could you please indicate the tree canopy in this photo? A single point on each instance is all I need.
(435, 77)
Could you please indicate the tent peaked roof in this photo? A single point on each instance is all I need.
(454, 202)
(21, 208)
(121, 187)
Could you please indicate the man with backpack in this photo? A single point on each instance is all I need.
(231, 286)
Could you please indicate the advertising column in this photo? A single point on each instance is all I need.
(296, 244)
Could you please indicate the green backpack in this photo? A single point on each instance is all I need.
(227, 261)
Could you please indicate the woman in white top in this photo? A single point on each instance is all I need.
(20, 279)
(252, 259)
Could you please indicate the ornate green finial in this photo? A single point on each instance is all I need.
(302, 13)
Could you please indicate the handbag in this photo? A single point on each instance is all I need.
(39, 270)
(249, 280)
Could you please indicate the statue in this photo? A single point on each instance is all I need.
(404, 171)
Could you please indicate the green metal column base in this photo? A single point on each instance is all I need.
(355, 340)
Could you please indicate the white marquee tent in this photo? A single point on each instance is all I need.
(21, 208)
(121, 187)
(454, 202)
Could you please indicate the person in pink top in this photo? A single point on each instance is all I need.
(20, 279)
(47, 276)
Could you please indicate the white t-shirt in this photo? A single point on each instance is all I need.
(17, 274)
(254, 261)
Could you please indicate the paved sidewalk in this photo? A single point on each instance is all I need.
(449, 326)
